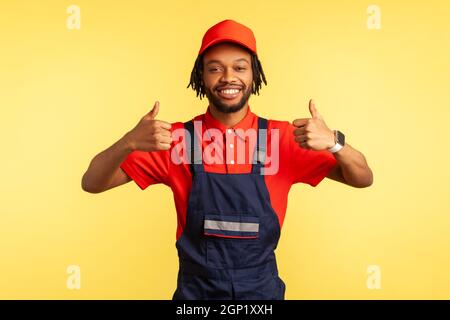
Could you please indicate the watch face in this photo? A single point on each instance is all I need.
(340, 137)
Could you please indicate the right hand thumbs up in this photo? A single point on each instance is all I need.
(150, 134)
(154, 112)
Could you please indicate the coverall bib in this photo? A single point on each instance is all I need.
(226, 250)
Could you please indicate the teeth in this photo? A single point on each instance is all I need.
(230, 91)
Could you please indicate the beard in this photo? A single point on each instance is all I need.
(224, 107)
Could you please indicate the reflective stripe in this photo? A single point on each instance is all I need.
(231, 226)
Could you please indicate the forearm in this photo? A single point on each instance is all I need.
(104, 165)
(354, 167)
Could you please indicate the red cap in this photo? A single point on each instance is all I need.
(229, 31)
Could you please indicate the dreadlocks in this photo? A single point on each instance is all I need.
(197, 76)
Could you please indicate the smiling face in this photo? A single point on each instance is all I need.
(227, 76)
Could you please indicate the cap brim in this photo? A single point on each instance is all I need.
(217, 41)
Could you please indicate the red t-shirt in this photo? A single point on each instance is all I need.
(293, 164)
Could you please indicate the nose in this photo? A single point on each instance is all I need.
(228, 75)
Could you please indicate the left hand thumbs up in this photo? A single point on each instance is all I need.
(312, 109)
(313, 133)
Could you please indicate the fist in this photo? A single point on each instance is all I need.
(313, 133)
(150, 134)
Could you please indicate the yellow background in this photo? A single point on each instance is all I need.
(68, 94)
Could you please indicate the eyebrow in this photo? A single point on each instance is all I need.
(217, 61)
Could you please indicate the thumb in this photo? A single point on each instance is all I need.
(154, 112)
(312, 109)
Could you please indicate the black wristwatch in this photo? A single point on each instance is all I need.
(339, 139)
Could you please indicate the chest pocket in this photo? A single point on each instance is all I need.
(240, 226)
(232, 240)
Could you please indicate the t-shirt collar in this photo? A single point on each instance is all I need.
(247, 122)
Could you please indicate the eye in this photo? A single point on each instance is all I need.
(241, 68)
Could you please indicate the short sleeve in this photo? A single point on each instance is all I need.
(147, 168)
(310, 166)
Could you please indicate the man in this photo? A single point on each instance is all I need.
(230, 212)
